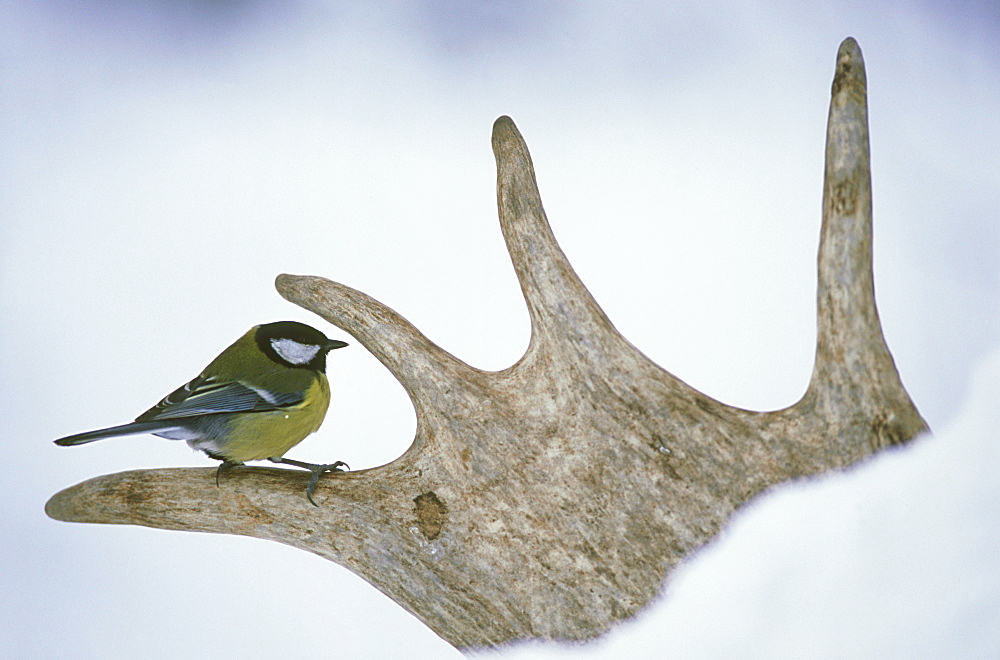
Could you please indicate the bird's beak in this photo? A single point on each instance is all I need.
(335, 343)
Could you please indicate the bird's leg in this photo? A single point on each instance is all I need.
(223, 466)
(317, 470)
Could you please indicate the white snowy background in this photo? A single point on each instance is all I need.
(161, 161)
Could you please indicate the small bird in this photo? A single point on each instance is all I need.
(259, 398)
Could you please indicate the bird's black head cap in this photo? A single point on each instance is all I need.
(295, 344)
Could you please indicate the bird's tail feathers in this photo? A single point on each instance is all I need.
(124, 429)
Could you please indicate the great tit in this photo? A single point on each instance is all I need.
(262, 396)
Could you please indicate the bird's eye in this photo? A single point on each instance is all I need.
(293, 352)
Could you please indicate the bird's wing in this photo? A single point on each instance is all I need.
(208, 396)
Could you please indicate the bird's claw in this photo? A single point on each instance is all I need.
(223, 466)
(317, 472)
(317, 469)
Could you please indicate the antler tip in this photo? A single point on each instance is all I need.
(506, 135)
(850, 44)
(97, 500)
(503, 122)
(61, 506)
(287, 284)
(850, 66)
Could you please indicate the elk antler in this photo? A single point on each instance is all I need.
(551, 499)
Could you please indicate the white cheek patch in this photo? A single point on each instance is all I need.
(294, 352)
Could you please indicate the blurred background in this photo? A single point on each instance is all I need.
(162, 161)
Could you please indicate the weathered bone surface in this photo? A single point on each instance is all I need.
(551, 499)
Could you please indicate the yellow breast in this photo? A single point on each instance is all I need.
(261, 435)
